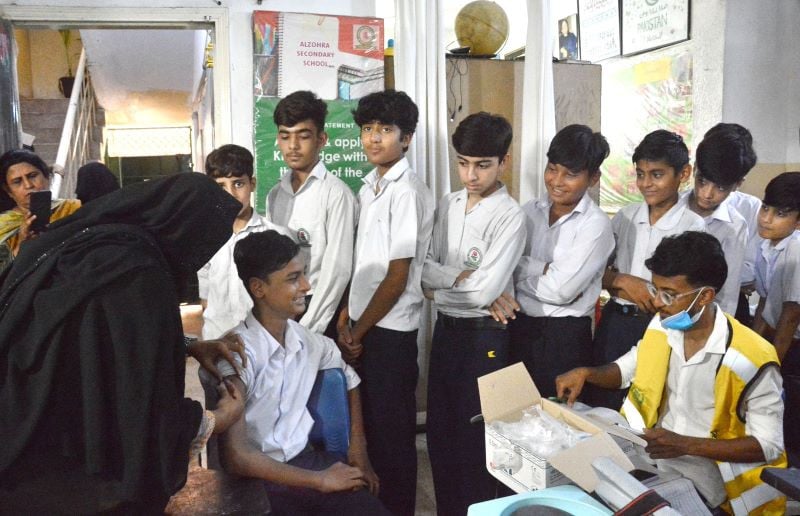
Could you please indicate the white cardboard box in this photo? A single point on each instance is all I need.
(504, 395)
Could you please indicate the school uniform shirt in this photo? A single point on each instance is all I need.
(748, 207)
(636, 239)
(729, 227)
(219, 284)
(778, 277)
(577, 247)
(278, 381)
(488, 239)
(322, 215)
(395, 222)
(688, 406)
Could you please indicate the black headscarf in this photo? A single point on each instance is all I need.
(95, 180)
(91, 352)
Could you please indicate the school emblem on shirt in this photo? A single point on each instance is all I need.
(304, 237)
(474, 258)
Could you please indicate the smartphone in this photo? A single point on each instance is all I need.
(40, 206)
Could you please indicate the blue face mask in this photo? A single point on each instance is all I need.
(682, 320)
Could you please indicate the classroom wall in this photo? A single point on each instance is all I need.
(761, 88)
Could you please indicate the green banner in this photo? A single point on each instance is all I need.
(342, 155)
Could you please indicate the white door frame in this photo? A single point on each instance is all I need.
(147, 17)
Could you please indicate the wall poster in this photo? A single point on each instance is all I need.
(650, 24)
(599, 29)
(340, 58)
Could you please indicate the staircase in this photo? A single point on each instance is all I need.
(44, 119)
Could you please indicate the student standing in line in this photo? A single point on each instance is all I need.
(558, 279)
(662, 165)
(778, 283)
(224, 298)
(378, 328)
(478, 238)
(314, 204)
(723, 159)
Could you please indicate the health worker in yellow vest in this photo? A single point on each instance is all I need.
(704, 389)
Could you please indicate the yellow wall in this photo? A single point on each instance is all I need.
(24, 77)
(42, 60)
(756, 181)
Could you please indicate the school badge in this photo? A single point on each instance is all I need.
(304, 237)
(474, 258)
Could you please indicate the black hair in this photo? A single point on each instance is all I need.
(483, 135)
(663, 145)
(695, 254)
(578, 148)
(229, 161)
(783, 191)
(299, 106)
(388, 107)
(725, 155)
(15, 157)
(260, 254)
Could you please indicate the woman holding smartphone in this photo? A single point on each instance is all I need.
(21, 173)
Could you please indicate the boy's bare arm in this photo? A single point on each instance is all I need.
(630, 287)
(786, 327)
(241, 458)
(759, 325)
(357, 454)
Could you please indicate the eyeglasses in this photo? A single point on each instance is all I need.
(665, 297)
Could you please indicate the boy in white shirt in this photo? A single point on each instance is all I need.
(283, 358)
(778, 283)
(477, 240)
(558, 278)
(378, 329)
(224, 298)
(662, 165)
(316, 205)
(723, 159)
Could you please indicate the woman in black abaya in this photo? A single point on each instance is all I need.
(92, 356)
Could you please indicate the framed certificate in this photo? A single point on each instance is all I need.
(598, 22)
(651, 24)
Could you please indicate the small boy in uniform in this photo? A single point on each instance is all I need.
(316, 205)
(478, 238)
(558, 279)
(778, 284)
(723, 159)
(378, 328)
(662, 165)
(224, 299)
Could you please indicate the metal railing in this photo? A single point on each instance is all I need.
(74, 149)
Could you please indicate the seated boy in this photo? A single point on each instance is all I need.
(283, 358)
(662, 165)
(723, 158)
(316, 205)
(224, 298)
(378, 328)
(478, 238)
(705, 388)
(778, 284)
(558, 279)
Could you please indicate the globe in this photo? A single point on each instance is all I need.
(482, 26)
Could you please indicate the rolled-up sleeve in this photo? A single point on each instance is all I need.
(627, 366)
(764, 413)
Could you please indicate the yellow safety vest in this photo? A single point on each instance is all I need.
(746, 357)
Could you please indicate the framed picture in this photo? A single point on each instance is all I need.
(568, 47)
(651, 24)
(599, 29)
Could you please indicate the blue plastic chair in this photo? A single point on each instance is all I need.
(330, 409)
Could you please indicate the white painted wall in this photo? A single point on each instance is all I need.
(761, 75)
(240, 39)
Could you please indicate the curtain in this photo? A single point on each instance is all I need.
(538, 104)
(420, 72)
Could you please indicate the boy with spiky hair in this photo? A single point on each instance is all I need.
(378, 328)
(314, 204)
(478, 238)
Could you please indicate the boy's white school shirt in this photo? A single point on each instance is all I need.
(778, 277)
(219, 284)
(748, 207)
(577, 247)
(394, 223)
(636, 239)
(322, 214)
(487, 239)
(729, 227)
